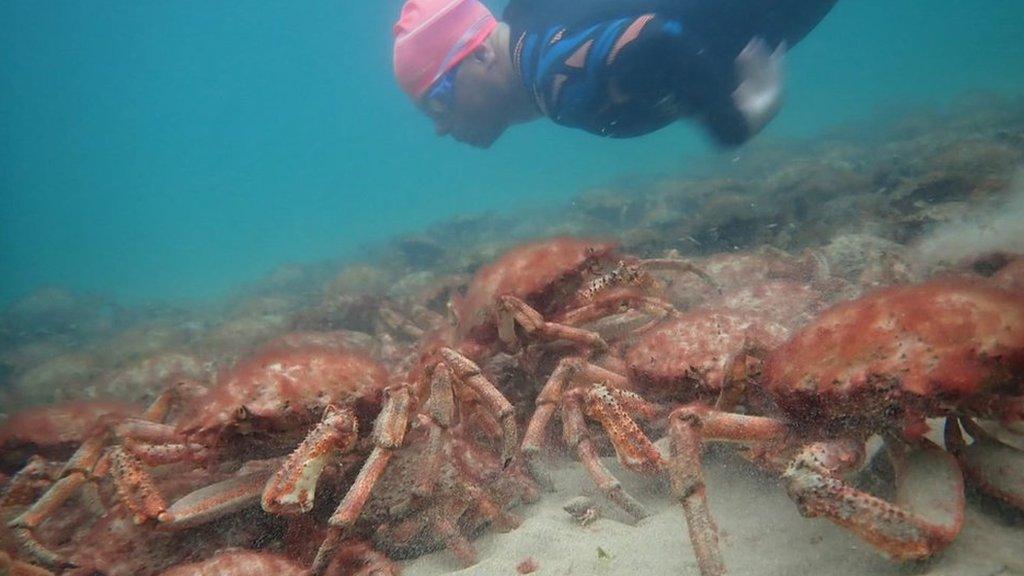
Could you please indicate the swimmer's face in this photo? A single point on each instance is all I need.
(472, 112)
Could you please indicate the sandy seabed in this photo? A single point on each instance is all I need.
(761, 533)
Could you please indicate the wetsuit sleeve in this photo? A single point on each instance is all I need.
(623, 68)
(666, 57)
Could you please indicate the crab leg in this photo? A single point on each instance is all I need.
(536, 327)
(634, 450)
(89, 463)
(146, 431)
(146, 440)
(388, 433)
(156, 443)
(443, 521)
(547, 402)
(911, 530)
(569, 371)
(614, 303)
(996, 468)
(76, 472)
(611, 407)
(467, 372)
(198, 507)
(293, 488)
(216, 501)
(574, 430)
(471, 411)
(135, 487)
(157, 454)
(689, 427)
(441, 409)
(687, 477)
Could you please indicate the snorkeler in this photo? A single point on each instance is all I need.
(617, 68)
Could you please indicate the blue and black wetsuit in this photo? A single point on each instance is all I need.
(623, 68)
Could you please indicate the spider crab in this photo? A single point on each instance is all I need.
(506, 300)
(53, 432)
(881, 364)
(713, 352)
(534, 299)
(262, 406)
(733, 271)
(540, 291)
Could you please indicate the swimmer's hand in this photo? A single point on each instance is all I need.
(759, 95)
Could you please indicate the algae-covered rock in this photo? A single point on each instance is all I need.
(67, 376)
(359, 279)
(143, 380)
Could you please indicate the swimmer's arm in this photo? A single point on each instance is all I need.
(733, 100)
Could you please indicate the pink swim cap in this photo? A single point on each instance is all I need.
(432, 36)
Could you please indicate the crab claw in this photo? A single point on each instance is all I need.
(216, 501)
(292, 489)
(929, 508)
(997, 469)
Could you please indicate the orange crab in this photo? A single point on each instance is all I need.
(532, 281)
(732, 271)
(881, 364)
(543, 289)
(713, 353)
(539, 293)
(261, 407)
(54, 432)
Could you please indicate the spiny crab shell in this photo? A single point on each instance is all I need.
(539, 273)
(788, 303)
(696, 349)
(913, 351)
(237, 562)
(735, 270)
(54, 431)
(281, 389)
(699, 348)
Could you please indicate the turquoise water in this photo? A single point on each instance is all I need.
(179, 149)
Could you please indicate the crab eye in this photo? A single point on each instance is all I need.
(242, 413)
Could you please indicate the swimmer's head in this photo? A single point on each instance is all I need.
(446, 64)
(433, 36)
